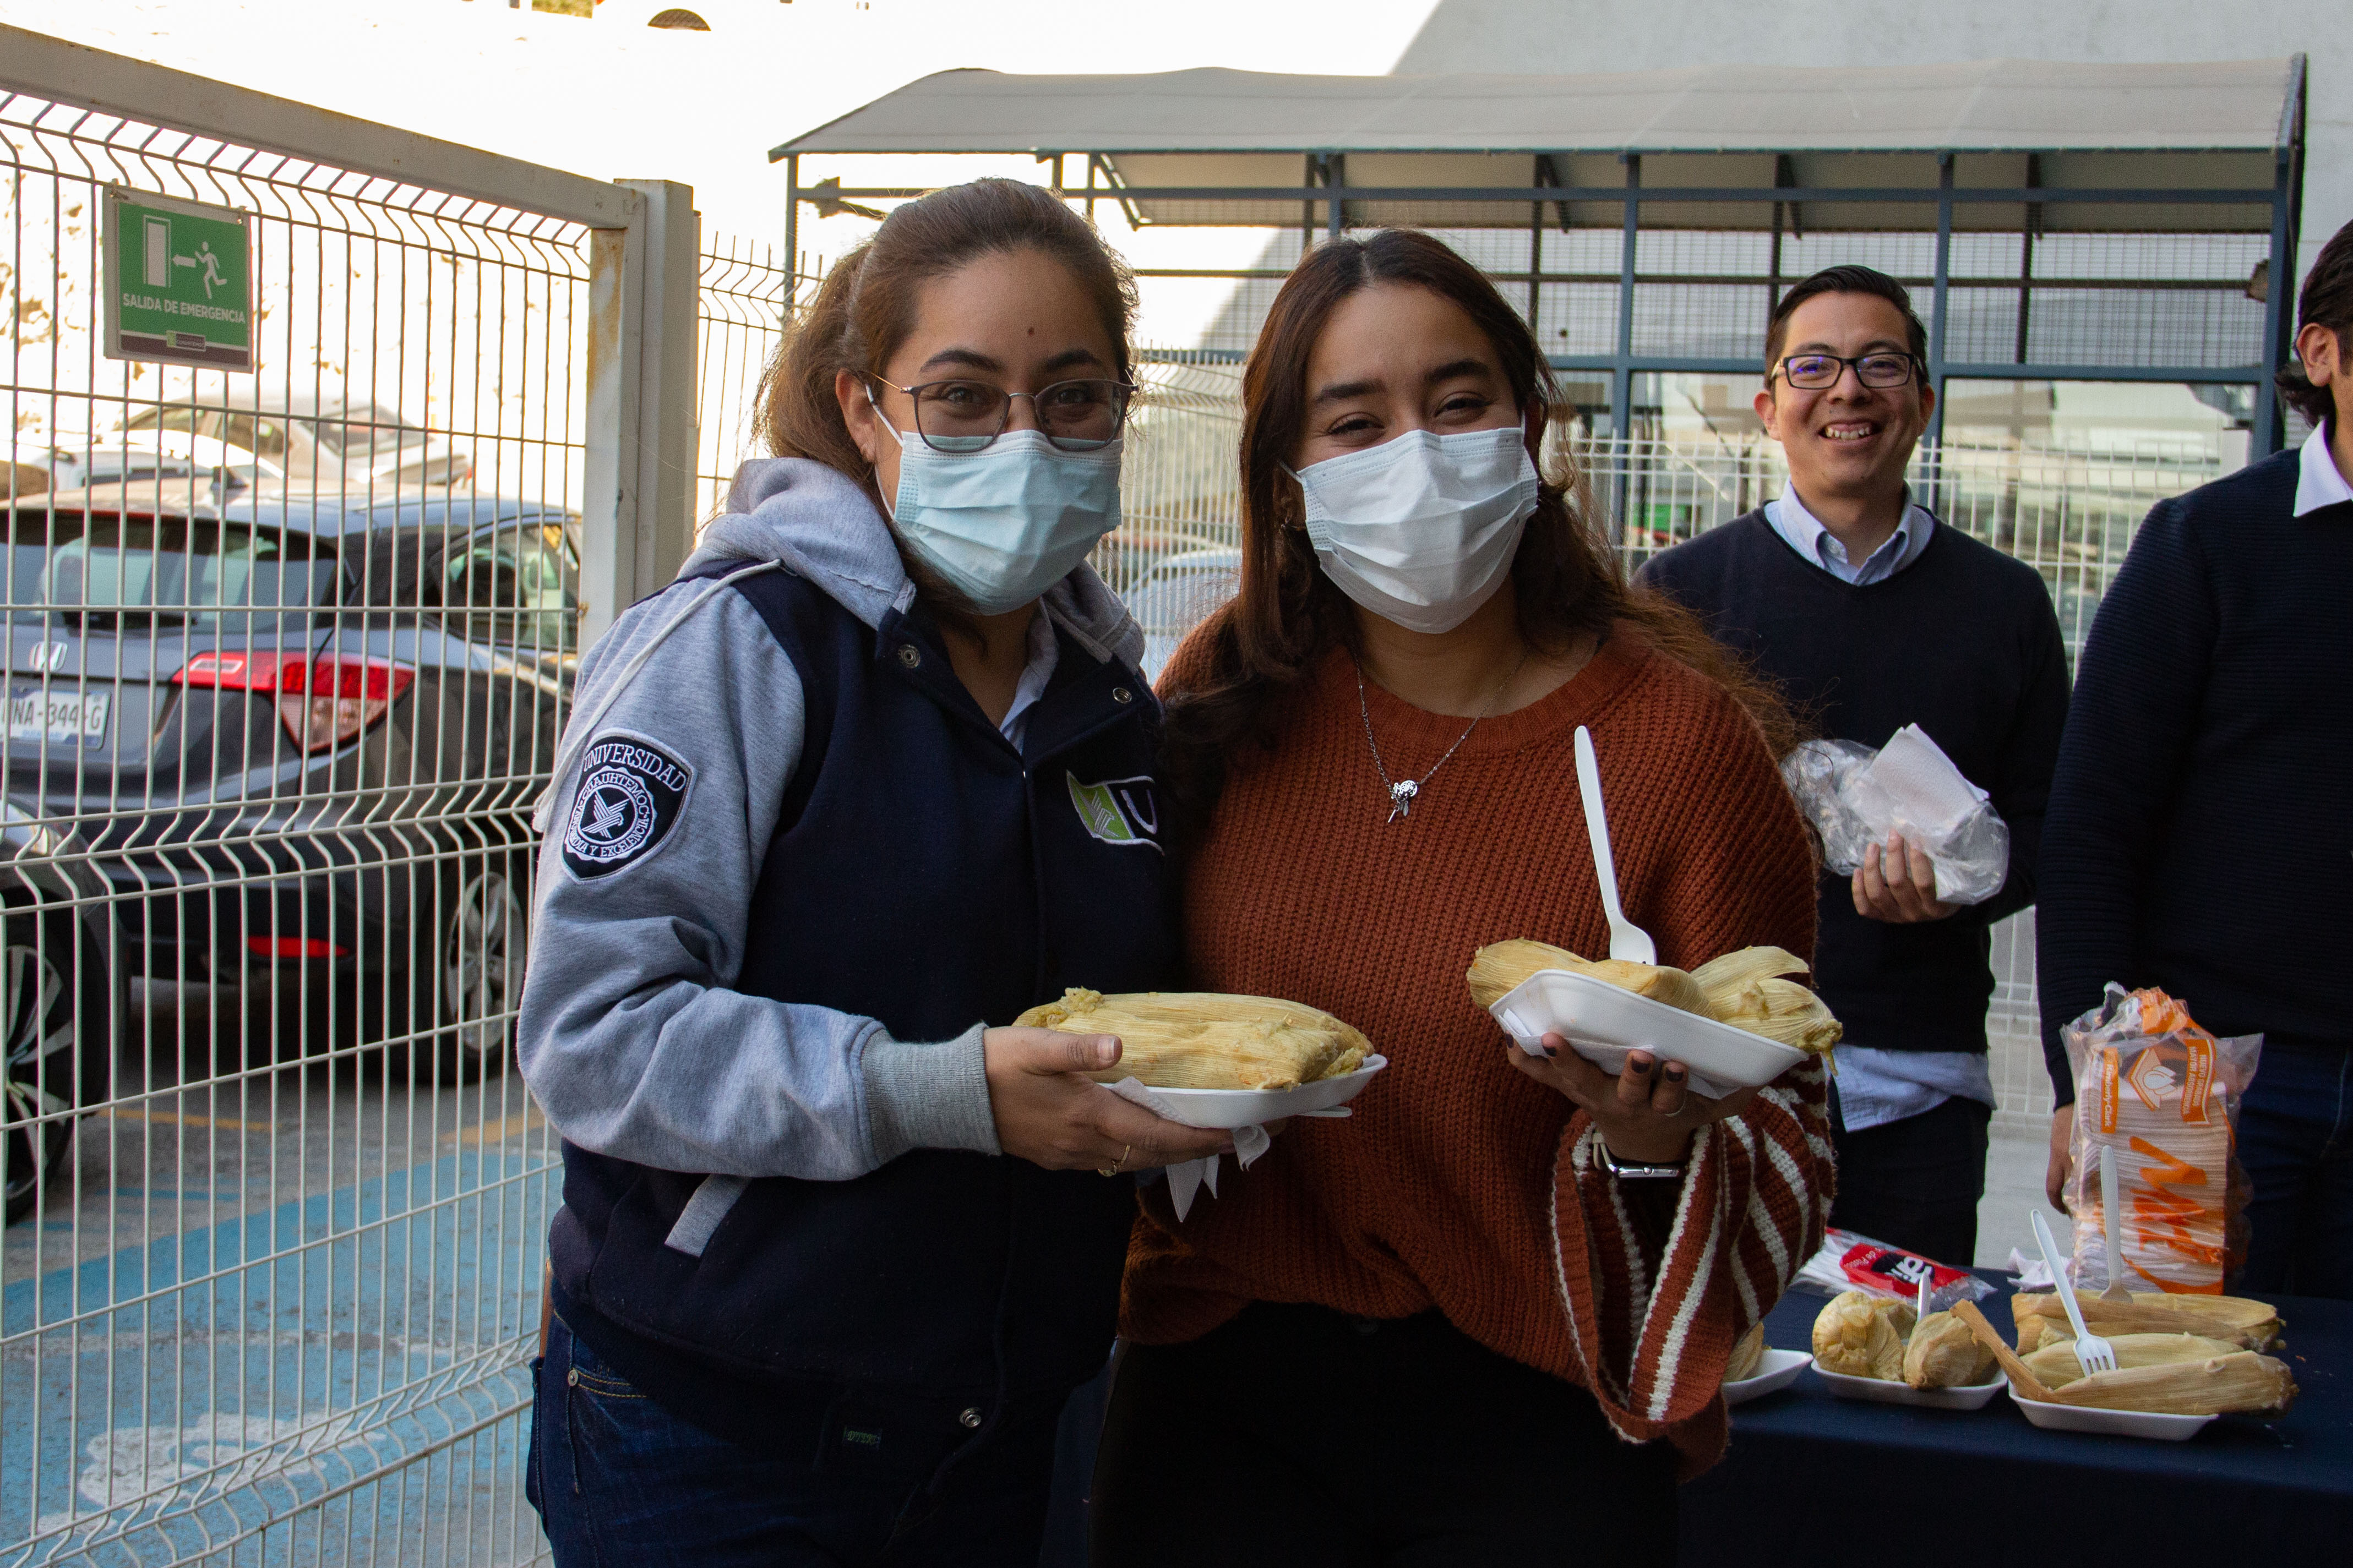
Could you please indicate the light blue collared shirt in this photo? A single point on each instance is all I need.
(1809, 538)
(1045, 653)
(1876, 1087)
(2318, 482)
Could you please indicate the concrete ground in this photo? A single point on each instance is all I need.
(276, 1311)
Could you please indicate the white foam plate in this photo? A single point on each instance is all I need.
(2110, 1423)
(1252, 1107)
(1776, 1370)
(1603, 1023)
(1878, 1391)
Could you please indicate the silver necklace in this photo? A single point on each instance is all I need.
(1401, 792)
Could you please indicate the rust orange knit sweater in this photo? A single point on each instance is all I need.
(1458, 1183)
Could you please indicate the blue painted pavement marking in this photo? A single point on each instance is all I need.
(222, 1377)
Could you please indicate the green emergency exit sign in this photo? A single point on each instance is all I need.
(179, 282)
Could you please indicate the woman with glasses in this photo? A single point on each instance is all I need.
(1447, 1330)
(873, 777)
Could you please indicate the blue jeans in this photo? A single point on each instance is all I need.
(2295, 1140)
(620, 1482)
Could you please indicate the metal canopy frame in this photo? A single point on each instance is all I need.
(1325, 192)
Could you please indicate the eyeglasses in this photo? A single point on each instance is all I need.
(1812, 372)
(966, 415)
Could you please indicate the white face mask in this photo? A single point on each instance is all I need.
(1004, 524)
(1421, 529)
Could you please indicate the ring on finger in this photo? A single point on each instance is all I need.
(1113, 1168)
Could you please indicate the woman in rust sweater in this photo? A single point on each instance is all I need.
(1446, 1330)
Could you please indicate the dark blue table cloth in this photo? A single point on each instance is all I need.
(1813, 1479)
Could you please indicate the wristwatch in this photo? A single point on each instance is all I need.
(1626, 1171)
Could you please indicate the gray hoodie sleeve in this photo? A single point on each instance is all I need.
(630, 1035)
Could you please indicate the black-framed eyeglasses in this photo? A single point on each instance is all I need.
(1812, 372)
(966, 415)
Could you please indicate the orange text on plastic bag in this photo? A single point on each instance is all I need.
(2177, 1222)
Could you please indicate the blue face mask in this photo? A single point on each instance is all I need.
(1002, 525)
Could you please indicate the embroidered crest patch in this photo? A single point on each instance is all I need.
(1118, 811)
(631, 794)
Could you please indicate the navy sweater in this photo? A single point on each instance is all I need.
(2201, 830)
(1963, 643)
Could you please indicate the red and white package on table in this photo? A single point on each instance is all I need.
(1851, 1262)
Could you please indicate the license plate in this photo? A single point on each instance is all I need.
(59, 718)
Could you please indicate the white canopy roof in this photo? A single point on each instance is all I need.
(1987, 105)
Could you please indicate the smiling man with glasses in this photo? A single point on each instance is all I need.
(1870, 616)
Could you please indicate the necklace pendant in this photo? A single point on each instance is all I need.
(1401, 796)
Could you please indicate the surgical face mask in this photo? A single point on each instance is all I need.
(1421, 530)
(1004, 524)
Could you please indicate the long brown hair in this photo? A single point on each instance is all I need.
(1288, 616)
(866, 307)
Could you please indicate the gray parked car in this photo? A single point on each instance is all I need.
(309, 440)
(1178, 595)
(301, 736)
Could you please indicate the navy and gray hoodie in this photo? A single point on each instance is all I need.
(791, 872)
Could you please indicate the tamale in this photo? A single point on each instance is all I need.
(1783, 1010)
(1747, 1350)
(2056, 1365)
(1742, 989)
(1862, 1335)
(1722, 980)
(1201, 1039)
(1500, 967)
(2249, 1325)
(2221, 1385)
(1944, 1354)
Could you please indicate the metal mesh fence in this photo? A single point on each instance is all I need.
(286, 657)
(747, 293)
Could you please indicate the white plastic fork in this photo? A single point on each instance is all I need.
(2092, 1354)
(1627, 941)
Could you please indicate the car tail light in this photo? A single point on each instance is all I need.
(292, 947)
(324, 702)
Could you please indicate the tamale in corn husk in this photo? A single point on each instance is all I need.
(1742, 989)
(1863, 1335)
(1747, 1353)
(1943, 1353)
(1500, 967)
(2241, 1382)
(2056, 1365)
(2236, 1320)
(1202, 1039)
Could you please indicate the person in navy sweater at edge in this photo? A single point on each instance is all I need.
(2200, 833)
(1871, 615)
(875, 775)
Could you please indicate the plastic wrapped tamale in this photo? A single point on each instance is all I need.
(1203, 1039)
(2244, 1323)
(1943, 1353)
(1863, 1335)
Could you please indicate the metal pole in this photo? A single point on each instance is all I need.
(1535, 246)
(1936, 322)
(609, 507)
(792, 232)
(2279, 318)
(1336, 179)
(1622, 373)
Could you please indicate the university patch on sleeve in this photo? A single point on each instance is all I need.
(1118, 811)
(631, 795)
